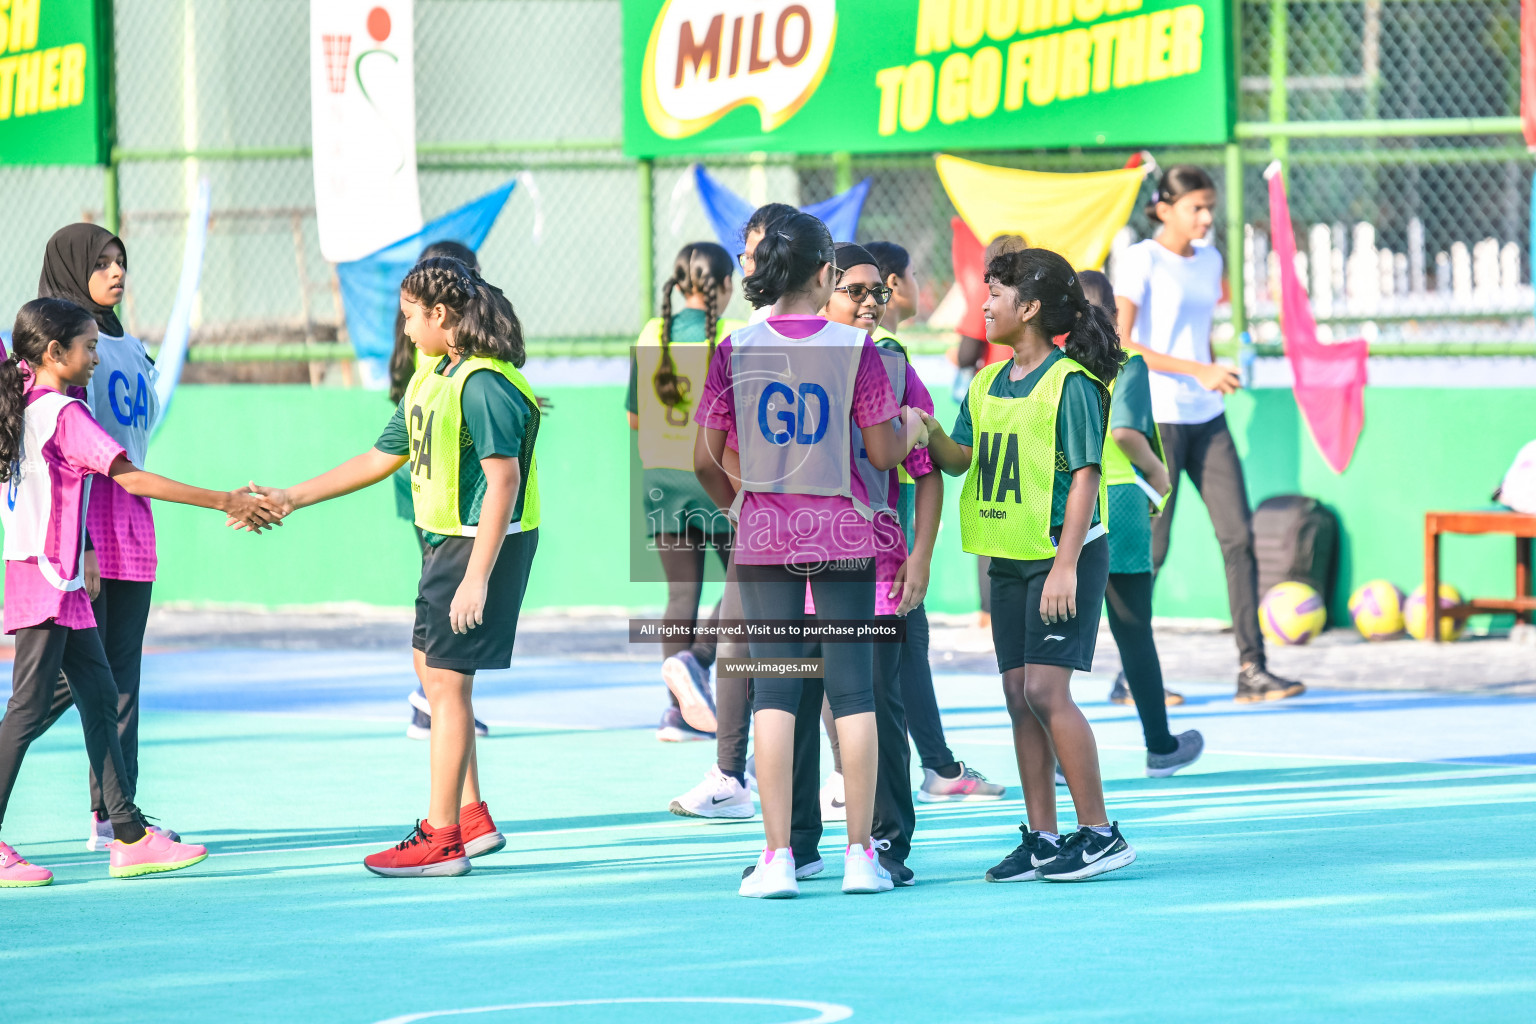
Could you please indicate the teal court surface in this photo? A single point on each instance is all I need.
(1358, 856)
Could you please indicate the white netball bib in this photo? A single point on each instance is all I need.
(122, 396)
(31, 498)
(877, 482)
(794, 409)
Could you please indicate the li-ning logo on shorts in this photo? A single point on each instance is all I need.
(708, 57)
(421, 442)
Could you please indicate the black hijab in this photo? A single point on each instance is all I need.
(68, 262)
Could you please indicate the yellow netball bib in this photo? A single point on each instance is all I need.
(1005, 507)
(434, 415)
(667, 431)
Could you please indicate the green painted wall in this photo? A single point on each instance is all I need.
(1421, 448)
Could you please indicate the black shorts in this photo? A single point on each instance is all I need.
(1021, 637)
(488, 645)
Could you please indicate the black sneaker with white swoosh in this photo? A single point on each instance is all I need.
(1025, 861)
(1086, 853)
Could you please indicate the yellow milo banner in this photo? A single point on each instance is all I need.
(54, 72)
(706, 76)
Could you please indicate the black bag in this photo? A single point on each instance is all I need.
(1296, 538)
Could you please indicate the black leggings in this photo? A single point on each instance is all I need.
(841, 590)
(41, 652)
(1128, 599)
(917, 696)
(122, 613)
(1208, 454)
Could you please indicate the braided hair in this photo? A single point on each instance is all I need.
(481, 317)
(39, 323)
(701, 268)
(402, 361)
(1042, 275)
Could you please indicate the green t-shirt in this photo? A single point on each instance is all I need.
(674, 497)
(495, 420)
(1079, 426)
(1132, 405)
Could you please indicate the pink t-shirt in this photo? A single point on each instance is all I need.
(776, 529)
(78, 448)
(122, 530)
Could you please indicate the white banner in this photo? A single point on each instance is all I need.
(363, 104)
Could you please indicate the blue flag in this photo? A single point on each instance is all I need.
(728, 213)
(370, 287)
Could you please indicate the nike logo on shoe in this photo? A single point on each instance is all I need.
(838, 803)
(1037, 862)
(1053, 636)
(718, 799)
(1089, 858)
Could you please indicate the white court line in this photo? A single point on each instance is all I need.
(826, 1013)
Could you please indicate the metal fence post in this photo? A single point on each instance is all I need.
(1235, 254)
(109, 214)
(1279, 58)
(842, 171)
(647, 241)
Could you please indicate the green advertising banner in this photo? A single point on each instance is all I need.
(53, 88)
(711, 76)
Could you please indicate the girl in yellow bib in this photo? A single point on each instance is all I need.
(666, 374)
(1030, 440)
(466, 428)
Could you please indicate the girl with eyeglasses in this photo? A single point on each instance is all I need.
(788, 394)
(945, 778)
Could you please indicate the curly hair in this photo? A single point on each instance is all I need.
(38, 324)
(481, 317)
(1044, 276)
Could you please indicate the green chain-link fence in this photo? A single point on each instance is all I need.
(1409, 184)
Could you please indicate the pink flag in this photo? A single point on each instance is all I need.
(1329, 379)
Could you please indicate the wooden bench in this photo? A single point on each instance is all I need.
(1516, 524)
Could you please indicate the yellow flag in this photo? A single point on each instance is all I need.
(1075, 215)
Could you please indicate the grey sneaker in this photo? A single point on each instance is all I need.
(969, 785)
(1191, 745)
(1257, 684)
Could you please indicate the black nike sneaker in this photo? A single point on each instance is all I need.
(1256, 684)
(1085, 853)
(1024, 863)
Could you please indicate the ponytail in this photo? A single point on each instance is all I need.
(480, 315)
(38, 324)
(701, 268)
(1177, 182)
(791, 253)
(1043, 276)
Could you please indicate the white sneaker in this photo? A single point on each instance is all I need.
(718, 796)
(773, 878)
(834, 806)
(101, 835)
(862, 870)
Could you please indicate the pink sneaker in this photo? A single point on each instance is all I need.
(15, 872)
(153, 853)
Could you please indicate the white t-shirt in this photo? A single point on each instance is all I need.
(1175, 298)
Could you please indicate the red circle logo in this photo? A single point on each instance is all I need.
(378, 24)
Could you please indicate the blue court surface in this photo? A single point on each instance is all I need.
(1349, 855)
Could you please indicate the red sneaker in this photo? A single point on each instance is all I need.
(479, 831)
(426, 851)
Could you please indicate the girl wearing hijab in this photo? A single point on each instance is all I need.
(88, 265)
